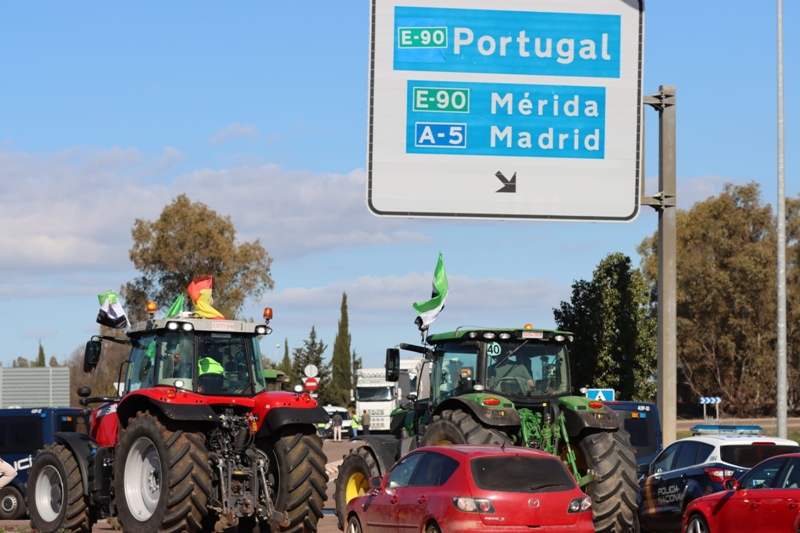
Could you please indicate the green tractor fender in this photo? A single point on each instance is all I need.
(502, 414)
(579, 415)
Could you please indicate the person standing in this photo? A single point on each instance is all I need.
(365, 422)
(337, 427)
(354, 422)
(8, 473)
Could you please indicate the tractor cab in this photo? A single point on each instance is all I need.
(210, 357)
(523, 365)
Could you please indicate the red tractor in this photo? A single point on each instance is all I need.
(194, 442)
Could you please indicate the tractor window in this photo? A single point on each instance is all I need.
(527, 368)
(259, 381)
(176, 361)
(141, 370)
(453, 370)
(223, 367)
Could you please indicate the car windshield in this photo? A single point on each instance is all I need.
(749, 455)
(527, 368)
(520, 473)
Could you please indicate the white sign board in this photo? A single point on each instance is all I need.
(505, 109)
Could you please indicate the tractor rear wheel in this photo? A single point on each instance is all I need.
(459, 427)
(55, 492)
(297, 474)
(353, 479)
(162, 477)
(611, 456)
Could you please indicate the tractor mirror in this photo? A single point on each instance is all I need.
(84, 392)
(91, 357)
(392, 364)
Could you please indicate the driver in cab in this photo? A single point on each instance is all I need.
(512, 369)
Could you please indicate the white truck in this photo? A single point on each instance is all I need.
(380, 397)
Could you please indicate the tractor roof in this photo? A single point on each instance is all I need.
(200, 324)
(499, 333)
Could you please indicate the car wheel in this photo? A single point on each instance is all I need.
(697, 525)
(353, 525)
(12, 504)
(432, 528)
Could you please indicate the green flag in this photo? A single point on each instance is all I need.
(176, 307)
(428, 311)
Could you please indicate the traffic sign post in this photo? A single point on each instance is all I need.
(506, 109)
(602, 395)
(714, 400)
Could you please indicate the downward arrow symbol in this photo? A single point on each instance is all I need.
(509, 185)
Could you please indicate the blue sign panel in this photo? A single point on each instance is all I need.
(505, 119)
(602, 395)
(507, 42)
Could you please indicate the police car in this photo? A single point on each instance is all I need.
(696, 466)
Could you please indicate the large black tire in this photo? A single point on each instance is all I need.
(162, 478)
(458, 427)
(611, 456)
(55, 493)
(12, 504)
(297, 470)
(353, 479)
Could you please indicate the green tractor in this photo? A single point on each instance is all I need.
(505, 387)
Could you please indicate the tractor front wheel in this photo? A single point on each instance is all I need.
(298, 477)
(162, 478)
(459, 427)
(613, 491)
(353, 479)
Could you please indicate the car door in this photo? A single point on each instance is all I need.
(653, 489)
(742, 512)
(412, 507)
(382, 511)
(781, 503)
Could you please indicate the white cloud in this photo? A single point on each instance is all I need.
(693, 190)
(234, 131)
(72, 211)
(387, 300)
(168, 159)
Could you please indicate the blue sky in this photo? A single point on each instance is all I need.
(110, 110)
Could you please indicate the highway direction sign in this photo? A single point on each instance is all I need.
(603, 395)
(505, 109)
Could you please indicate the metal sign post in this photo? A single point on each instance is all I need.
(665, 203)
(715, 400)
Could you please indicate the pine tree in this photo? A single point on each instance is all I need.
(286, 364)
(340, 361)
(40, 359)
(311, 354)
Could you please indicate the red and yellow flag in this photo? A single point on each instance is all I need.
(200, 293)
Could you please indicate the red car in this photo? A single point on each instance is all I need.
(766, 499)
(437, 489)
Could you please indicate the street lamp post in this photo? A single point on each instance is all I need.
(277, 347)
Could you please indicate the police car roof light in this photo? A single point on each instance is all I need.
(711, 429)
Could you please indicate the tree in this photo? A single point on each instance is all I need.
(340, 361)
(311, 354)
(615, 343)
(189, 240)
(40, 359)
(53, 362)
(286, 364)
(726, 303)
(21, 362)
